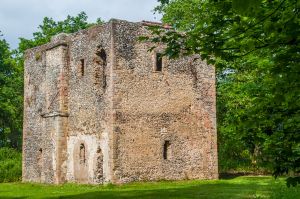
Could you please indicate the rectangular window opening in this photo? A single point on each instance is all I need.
(82, 67)
(159, 65)
(166, 152)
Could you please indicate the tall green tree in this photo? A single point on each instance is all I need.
(11, 92)
(255, 47)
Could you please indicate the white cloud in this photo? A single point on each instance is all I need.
(20, 18)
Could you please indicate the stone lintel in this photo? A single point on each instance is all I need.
(54, 114)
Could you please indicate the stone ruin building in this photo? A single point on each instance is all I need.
(99, 107)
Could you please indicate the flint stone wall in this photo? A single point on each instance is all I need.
(96, 111)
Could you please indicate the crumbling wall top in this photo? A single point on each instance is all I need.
(59, 37)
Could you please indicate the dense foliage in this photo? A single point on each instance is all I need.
(11, 100)
(10, 165)
(255, 47)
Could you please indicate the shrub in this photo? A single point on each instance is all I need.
(10, 165)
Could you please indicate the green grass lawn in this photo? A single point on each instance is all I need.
(240, 187)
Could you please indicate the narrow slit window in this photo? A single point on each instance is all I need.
(159, 65)
(81, 69)
(166, 152)
(40, 156)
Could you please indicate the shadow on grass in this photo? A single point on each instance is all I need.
(228, 176)
(197, 191)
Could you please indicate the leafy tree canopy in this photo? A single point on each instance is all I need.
(10, 98)
(254, 45)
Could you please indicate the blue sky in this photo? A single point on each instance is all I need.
(20, 18)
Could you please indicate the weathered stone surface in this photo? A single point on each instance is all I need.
(96, 111)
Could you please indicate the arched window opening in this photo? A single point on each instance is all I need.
(82, 154)
(102, 55)
(40, 157)
(102, 62)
